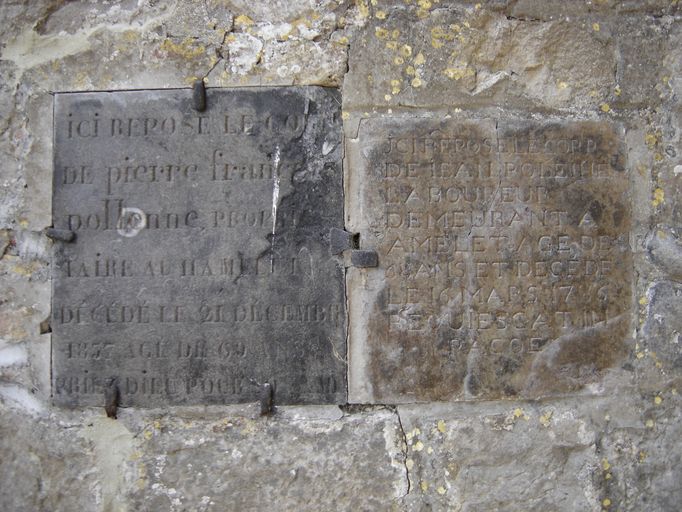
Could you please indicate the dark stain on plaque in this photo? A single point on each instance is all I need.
(504, 255)
(200, 268)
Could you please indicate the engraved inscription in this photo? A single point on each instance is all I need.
(200, 268)
(505, 265)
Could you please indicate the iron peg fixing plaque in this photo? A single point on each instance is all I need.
(199, 95)
(63, 235)
(341, 240)
(112, 398)
(267, 399)
(364, 259)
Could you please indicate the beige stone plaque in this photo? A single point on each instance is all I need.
(505, 267)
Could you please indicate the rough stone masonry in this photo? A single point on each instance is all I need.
(516, 166)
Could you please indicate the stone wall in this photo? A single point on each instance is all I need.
(613, 446)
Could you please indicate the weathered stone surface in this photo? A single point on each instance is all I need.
(665, 250)
(295, 461)
(500, 457)
(505, 265)
(646, 81)
(460, 55)
(44, 466)
(659, 351)
(200, 265)
(589, 454)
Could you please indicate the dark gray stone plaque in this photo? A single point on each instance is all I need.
(200, 266)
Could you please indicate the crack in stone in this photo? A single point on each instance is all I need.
(219, 48)
(403, 449)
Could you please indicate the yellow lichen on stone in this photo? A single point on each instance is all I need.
(659, 197)
(416, 82)
(387, 97)
(605, 465)
(363, 8)
(438, 35)
(658, 400)
(518, 412)
(441, 426)
(381, 15)
(458, 70)
(643, 301)
(395, 86)
(130, 35)
(651, 139)
(562, 85)
(617, 91)
(409, 464)
(606, 503)
(380, 32)
(398, 61)
(424, 486)
(243, 21)
(649, 423)
(595, 27)
(406, 50)
(642, 455)
(545, 419)
(604, 107)
(419, 59)
(418, 446)
(410, 70)
(441, 490)
(184, 49)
